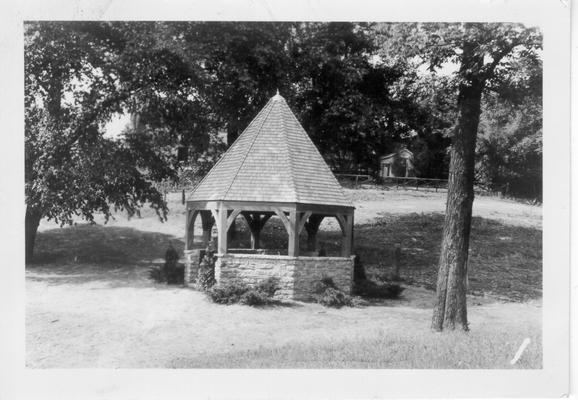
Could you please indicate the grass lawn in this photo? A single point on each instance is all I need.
(90, 302)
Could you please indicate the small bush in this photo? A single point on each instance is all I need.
(335, 298)
(172, 275)
(368, 288)
(327, 294)
(227, 294)
(254, 297)
(358, 270)
(206, 273)
(269, 286)
(238, 292)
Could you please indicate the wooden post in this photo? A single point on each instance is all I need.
(190, 229)
(347, 236)
(208, 221)
(255, 238)
(222, 230)
(187, 222)
(183, 197)
(293, 250)
(255, 226)
(312, 227)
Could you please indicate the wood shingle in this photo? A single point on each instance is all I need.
(273, 160)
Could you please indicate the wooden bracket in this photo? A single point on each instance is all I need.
(232, 217)
(342, 219)
(284, 219)
(215, 214)
(302, 221)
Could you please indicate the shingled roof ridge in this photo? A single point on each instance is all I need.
(289, 152)
(223, 156)
(325, 165)
(270, 108)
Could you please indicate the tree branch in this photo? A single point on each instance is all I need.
(488, 69)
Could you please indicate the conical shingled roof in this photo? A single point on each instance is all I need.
(273, 160)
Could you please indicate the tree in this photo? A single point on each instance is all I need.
(77, 76)
(482, 52)
(343, 95)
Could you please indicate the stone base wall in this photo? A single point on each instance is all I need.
(296, 275)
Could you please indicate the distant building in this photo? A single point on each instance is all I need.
(398, 164)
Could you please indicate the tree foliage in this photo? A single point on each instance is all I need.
(359, 89)
(509, 152)
(78, 75)
(183, 83)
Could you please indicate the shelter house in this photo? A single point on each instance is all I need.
(403, 157)
(273, 169)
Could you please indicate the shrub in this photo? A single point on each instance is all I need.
(206, 273)
(327, 294)
(358, 270)
(334, 298)
(254, 297)
(227, 294)
(269, 286)
(370, 289)
(238, 292)
(172, 275)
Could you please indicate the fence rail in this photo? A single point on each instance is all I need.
(410, 182)
(356, 179)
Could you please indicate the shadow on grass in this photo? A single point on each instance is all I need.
(88, 244)
(504, 261)
(104, 256)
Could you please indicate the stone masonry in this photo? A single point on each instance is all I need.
(297, 275)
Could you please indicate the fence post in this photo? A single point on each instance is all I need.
(183, 197)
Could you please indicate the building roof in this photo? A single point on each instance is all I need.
(403, 151)
(273, 160)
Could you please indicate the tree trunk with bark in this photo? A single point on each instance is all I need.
(450, 309)
(31, 223)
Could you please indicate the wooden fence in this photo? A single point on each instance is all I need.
(414, 183)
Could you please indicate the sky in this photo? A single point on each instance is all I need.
(115, 126)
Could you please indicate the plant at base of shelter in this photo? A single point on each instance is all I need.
(329, 295)
(172, 275)
(369, 289)
(241, 293)
(206, 274)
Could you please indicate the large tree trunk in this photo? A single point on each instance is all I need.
(31, 222)
(450, 308)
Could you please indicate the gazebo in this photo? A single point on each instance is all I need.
(272, 169)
